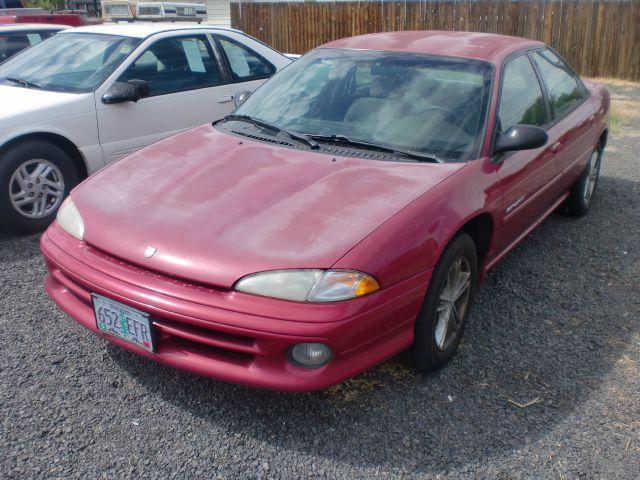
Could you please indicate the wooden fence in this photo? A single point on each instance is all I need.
(599, 38)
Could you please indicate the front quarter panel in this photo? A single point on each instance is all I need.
(71, 116)
(411, 242)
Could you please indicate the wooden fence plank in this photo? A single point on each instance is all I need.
(598, 37)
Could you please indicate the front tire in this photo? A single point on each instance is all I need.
(35, 177)
(581, 195)
(443, 317)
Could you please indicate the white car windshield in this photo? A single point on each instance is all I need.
(420, 103)
(72, 62)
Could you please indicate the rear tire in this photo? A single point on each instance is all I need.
(443, 317)
(35, 177)
(582, 192)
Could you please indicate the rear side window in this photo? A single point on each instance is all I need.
(175, 65)
(562, 84)
(522, 101)
(245, 64)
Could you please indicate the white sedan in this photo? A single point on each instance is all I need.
(91, 95)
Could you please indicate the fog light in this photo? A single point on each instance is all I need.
(311, 355)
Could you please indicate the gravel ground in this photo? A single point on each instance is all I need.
(556, 326)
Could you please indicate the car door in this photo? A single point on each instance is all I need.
(187, 88)
(572, 115)
(529, 178)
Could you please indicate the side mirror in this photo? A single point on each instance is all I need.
(130, 91)
(143, 87)
(520, 137)
(241, 97)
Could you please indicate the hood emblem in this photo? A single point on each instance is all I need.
(149, 251)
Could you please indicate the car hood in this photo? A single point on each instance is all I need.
(22, 106)
(217, 207)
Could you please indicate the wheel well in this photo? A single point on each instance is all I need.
(603, 139)
(479, 229)
(58, 140)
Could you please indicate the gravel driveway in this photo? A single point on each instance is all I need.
(546, 384)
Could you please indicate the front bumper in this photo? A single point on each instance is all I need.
(229, 335)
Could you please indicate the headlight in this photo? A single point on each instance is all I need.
(309, 285)
(69, 219)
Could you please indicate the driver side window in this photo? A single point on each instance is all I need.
(175, 65)
(521, 100)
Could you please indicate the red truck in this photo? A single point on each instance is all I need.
(12, 11)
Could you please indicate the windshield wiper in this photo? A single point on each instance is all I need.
(270, 126)
(23, 82)
(420, 157)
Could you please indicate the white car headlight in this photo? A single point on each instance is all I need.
(69, 219)
(311, 285)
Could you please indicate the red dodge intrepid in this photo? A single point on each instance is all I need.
(346, 211)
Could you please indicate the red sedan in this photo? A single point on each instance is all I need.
(346, 211)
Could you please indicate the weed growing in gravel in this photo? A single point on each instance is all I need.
(616, 119)
(623, 111)
(623, 108)
(391, 371)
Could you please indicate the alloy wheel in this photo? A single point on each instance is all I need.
(36, 188)
(453, 303)
(592, 177)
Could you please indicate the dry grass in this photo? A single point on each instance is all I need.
(616, 82)
(626, 107)
(616, 120)
(393, 371)
(623, 109)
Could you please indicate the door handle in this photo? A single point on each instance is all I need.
(225, 98)
(591, 119)
(556, 148)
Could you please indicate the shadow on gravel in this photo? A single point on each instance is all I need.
(17, 247)
(547, 327)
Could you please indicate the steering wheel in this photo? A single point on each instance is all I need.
(445, 110)
(458, 120)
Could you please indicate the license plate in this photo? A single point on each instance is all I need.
(123, 322)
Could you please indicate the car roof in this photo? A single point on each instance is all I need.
(20, 27)
(144, 29)
(482, 46)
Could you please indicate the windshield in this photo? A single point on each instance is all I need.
(75, 63)
(428, 104)
(14, 42)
